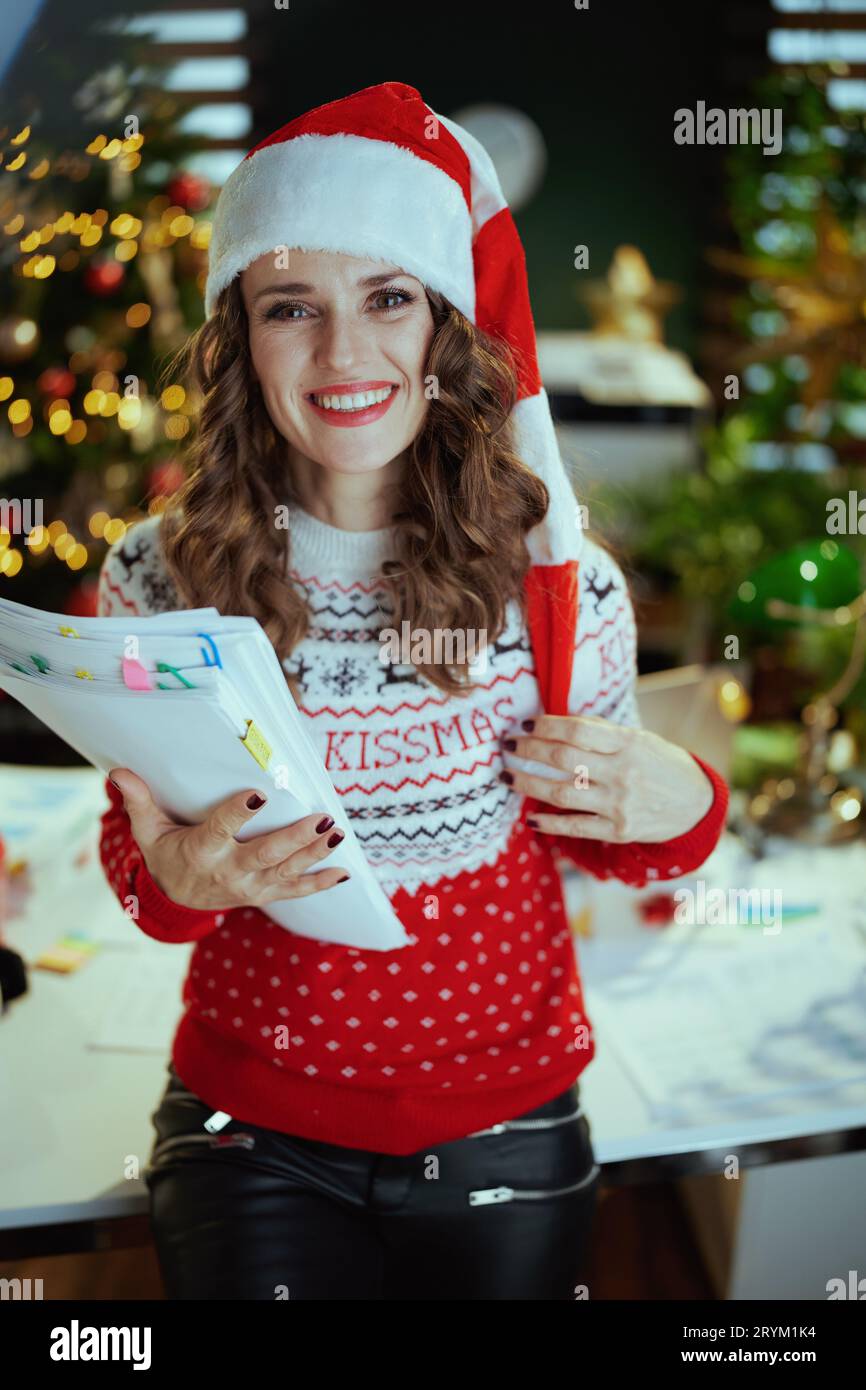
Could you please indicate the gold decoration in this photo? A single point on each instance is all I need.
(630, 303)
(623, 360)
(825, 304)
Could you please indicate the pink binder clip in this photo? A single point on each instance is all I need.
(135, 677)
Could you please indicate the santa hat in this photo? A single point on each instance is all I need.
(380, 175)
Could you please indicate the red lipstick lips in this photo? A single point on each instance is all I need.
(348, 419)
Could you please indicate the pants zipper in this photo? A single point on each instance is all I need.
(487, 1196)
(505, 1125)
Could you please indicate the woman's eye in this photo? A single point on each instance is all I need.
(278, 311)
(400, 297)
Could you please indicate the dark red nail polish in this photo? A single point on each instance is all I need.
(255, 801)
(324, 825)
(533, 823)
(528, 725)
(509, 744)
(506, 777)
(344, 879)
(335, 839)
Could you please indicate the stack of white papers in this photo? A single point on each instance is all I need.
(198, 706)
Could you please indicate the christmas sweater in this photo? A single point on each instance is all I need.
(481, 1016)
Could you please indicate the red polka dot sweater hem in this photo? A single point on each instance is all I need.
(481, 1017)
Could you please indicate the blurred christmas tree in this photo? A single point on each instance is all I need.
(102, 257)
(787, 359)
(801, 221)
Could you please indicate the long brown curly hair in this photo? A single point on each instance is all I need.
(461, 512)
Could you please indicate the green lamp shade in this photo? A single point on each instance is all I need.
(814, 574)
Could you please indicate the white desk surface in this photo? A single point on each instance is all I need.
(72, 1116)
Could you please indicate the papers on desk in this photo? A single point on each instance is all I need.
(47, 814)
(198, 706)
(708, 1031)
(143, 1002)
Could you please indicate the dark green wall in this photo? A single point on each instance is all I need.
(602, 84)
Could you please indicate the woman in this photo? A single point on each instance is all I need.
(368, 375)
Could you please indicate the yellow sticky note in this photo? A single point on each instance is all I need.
(66, 955)
(581, 922)
(255, 742)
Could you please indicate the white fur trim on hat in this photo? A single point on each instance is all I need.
(366, 198)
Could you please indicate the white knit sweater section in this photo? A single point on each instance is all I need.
(417, 770)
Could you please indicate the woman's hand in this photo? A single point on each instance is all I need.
(206, 868)
(634, 784)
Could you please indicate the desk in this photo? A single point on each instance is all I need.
(789, 1136)
(77, 1121)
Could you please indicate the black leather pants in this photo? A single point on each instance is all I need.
(253, 1213)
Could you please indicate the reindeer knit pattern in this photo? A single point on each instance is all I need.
(481, 1017)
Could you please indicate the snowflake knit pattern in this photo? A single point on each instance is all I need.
(481, 1017)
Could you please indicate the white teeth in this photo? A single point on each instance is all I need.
(360, 400)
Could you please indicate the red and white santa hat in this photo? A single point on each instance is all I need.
(380, 175)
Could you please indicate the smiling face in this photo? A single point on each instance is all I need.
(339, 346)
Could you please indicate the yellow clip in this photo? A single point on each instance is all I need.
(84, 675)
(255, 743)
(68, 632)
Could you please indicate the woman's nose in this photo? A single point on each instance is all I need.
(341, 342)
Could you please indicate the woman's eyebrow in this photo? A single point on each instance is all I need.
(299, 287)
(372, 280)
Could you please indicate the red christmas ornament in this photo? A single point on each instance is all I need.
(657, 910)
(166, 478)
(190, 191)
(104, 277)
(81, 601)
(56, 382)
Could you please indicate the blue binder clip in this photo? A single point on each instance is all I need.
(217, 659)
